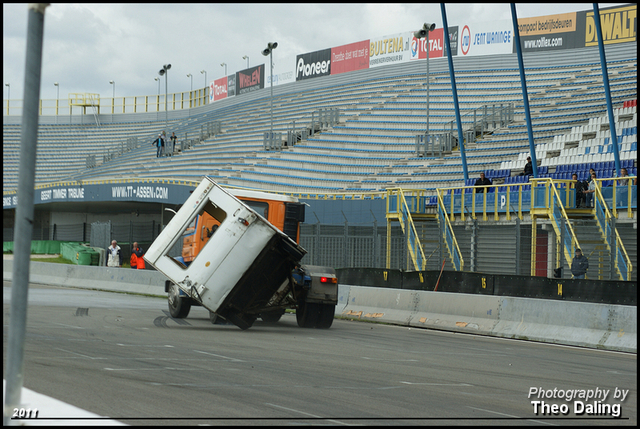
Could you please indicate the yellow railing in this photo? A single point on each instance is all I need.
(115, 105)
(449, 237)
(403, 215)
(603, 218)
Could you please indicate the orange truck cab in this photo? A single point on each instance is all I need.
(283, 212)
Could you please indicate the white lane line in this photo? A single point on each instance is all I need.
(437, 384)
(79, 354)
(220, 356)
(307, 414)
(390, 360)
(69, 326)
(509, 415)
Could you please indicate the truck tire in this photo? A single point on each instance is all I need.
(327, 311)
(179, 306)
(272, 316)
(307, 314)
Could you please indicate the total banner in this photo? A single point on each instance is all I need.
(218, 89)
(436, 45)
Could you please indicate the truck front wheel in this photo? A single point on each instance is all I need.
(179, 306)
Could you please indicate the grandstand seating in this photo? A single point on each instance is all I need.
(373, 146)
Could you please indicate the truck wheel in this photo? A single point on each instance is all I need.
(179, 306)
(327, 311)
(271, 316)
(307, 314)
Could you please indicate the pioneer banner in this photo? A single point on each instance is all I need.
(313, 64)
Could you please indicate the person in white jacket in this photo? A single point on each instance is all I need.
(114, 255)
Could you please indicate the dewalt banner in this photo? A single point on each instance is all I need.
(619, 25)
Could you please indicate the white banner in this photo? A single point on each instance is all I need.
(486, 38)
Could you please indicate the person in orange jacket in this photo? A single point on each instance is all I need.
(138, 252)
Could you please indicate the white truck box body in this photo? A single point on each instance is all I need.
(237, 256)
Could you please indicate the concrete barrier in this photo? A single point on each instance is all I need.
(602, 326)
(147, 282)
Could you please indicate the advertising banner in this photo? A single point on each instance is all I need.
(619, 25)
(387, 50)
(313, 64)
(231, 85)
(280, 78)
(351, 57)
(250, 79)
(453, 41)
(218, 89)
(487, 38)
(436, 47)
(551, 32)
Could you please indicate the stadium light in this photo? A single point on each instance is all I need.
(113, 100)
(205, 77)
(164, 71)
(269, 51)
(57, 98)
(225, 67)
(424, 32)
(246, 57)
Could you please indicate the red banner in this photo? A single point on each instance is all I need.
(351, 57)
(436, 46)
(220, 89)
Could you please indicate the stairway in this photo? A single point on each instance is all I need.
(595, 248)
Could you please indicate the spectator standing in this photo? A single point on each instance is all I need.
(114, 255)
(133, 260)
(137, 250)
(589, 193)
(579, 265)
(174, 140)
(159, 143)
(483, 181)
(579, 185)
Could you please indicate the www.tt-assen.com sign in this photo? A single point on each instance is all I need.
(143, 192)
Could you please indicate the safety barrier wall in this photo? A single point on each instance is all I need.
(602, 326)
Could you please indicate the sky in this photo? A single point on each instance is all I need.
(88, 45)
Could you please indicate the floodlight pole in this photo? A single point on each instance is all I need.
(269, 51)
(165, 71)
(424, 32)
(14, 369)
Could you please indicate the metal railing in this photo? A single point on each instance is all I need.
(132, 104)
(476, 122)
(604, 219)
(397, 204)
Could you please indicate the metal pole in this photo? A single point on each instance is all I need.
(455, 92)
(428, 138)
(607, 90)
(271, 79)
(525, 96)
(24, 212)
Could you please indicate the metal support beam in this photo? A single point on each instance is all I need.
(607, 90)
(525, 95)
(455, 91)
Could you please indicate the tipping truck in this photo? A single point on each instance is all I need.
(241, 260)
